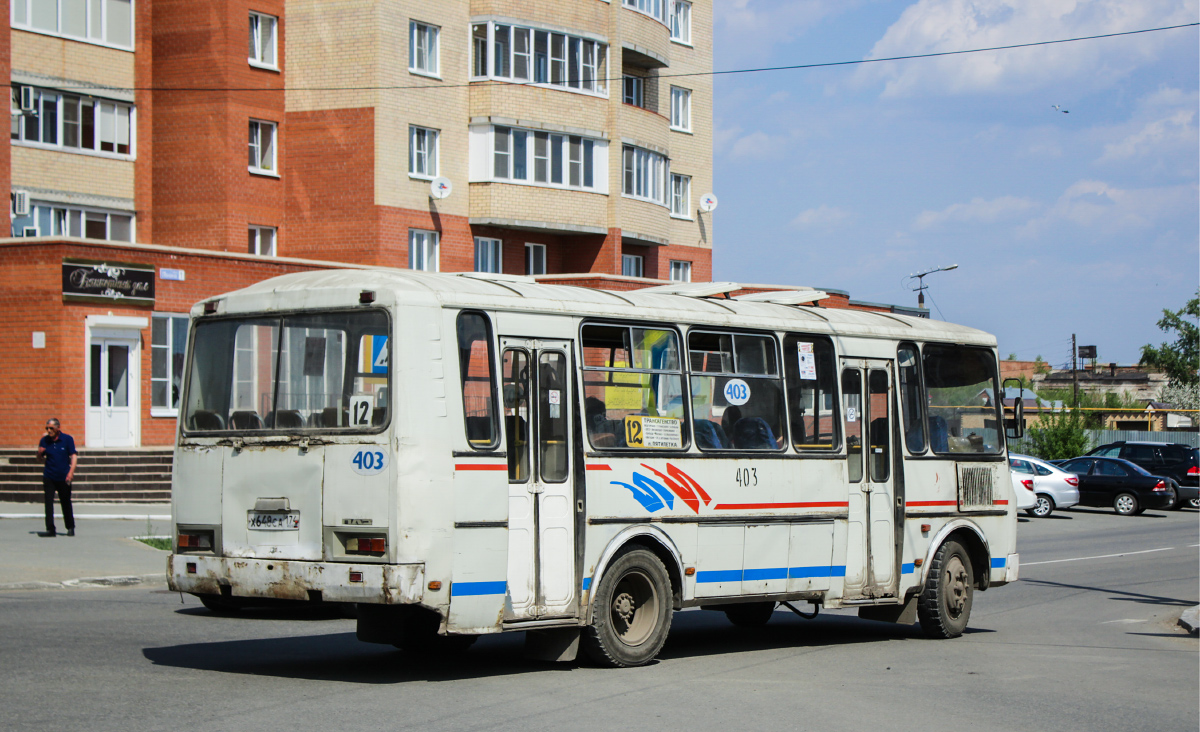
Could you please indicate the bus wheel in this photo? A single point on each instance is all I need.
(750, 614)
(945, 604)
(632, 611)
(419, 634)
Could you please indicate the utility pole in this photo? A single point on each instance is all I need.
(1074, 373)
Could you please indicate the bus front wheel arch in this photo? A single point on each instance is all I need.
(632, 610)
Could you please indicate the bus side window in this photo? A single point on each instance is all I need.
(811, 392)
(516, 413)
(910, 398)
(852, 403)
(477, 368)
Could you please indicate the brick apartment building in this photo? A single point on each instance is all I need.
(163, 151)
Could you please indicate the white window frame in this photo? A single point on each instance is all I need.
(535, 259)
(174, 322)
(63, 219)
(645, 175)
(423, 250)
(657, 9)
(589, 58)
(256, 144)
(633, 265)
(263, 55)
(681, 22)
(681, 271)
(633, 88)
(265, 242)
(568, 158)
(489, 255)
(423, 152)
(681, 109)
(118, 118)
(681, 196)
(431, 35)
(96, 30)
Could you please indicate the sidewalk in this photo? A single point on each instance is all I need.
(101, 552)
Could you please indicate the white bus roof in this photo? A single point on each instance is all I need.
(339, 288)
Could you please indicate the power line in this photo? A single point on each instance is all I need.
(755, 70)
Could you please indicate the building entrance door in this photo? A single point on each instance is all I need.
(112, 392)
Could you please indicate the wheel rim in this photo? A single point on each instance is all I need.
(1043, 506)
(1124, 504)
(634, 608)
(958, 585)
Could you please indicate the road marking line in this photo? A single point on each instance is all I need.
(1102, 556)
(1124, 621)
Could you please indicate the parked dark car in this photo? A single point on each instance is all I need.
(1127, 487)
(1178, 462)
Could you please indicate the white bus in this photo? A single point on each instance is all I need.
(467, 454)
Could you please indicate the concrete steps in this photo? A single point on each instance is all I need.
(101, 476)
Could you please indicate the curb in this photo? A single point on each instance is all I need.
(117, 581)
(1190, 620)
(89, 516)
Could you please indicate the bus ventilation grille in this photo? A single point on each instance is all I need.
(974, 488)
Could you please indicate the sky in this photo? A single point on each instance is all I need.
(1083, 221)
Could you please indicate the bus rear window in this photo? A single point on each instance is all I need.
(311, 372)
(960, 383)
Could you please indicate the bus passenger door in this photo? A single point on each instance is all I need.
(541, 496)
(871, 540)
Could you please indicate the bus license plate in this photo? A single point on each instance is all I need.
(275, 521)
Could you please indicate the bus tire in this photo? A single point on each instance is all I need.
(750, 614)
(944, 606)
(419, 634)
(632, 611)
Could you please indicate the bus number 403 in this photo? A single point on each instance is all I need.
(367, 462)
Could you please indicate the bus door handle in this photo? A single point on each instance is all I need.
(535, 487)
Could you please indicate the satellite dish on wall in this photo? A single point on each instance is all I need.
(708, 202)
(440, 187)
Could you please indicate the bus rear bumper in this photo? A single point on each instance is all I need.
(382, 584)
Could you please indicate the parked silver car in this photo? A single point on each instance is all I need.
(1054, 487)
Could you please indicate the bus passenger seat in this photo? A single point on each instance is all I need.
(709, 435)
(203, 419)
(285, 419)
(246, 420)
(753, 433)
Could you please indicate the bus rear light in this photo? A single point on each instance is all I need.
(1160, 486)
(1072, 480)
(435, 585)
(356, 577)
(191, 567)
(366, 545)
(200, 540)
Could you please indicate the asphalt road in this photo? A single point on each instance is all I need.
(1085, 641)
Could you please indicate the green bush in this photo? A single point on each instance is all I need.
(1059, 435)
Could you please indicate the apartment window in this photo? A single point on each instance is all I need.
(56, 219)
(107, 22)
(422, 152)
(423, 48)
(544, 158)
(657, 9)
(168, 340)
(487, 255)
(262, 241)
(681, 109)
(681, 195)
(423, 250)
(681, 271)
(632, 265)
(535, 259)
(634, 91)
(532, 56)
(73, 122)
(263, 40)
(645, 175)
(262, 147)
(681, 21)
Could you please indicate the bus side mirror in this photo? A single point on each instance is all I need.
(1014, 426)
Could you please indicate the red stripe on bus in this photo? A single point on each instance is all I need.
(599, 466)
(480, 466)
(932, 503)
(812, 504)
(1000, 503)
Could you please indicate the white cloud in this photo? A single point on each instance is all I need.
(1176, 129)
(930, 26)
(822, 216)
(750, 29)
(1100, 207)
(1163, 127)
(977, 210)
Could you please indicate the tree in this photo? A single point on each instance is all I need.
(1181, 359)
(1059, 435)
(1039, 365)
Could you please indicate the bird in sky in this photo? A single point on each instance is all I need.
(1058, 108)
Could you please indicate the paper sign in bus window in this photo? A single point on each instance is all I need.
(373, 354)
(808, 362)
(362, 409)
(653, 432)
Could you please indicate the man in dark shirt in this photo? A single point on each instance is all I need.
(57, 451)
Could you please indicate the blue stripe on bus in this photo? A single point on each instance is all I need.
(587, 583)
(769, 573)
(999, 563)
(461, 589)
(908, 568)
